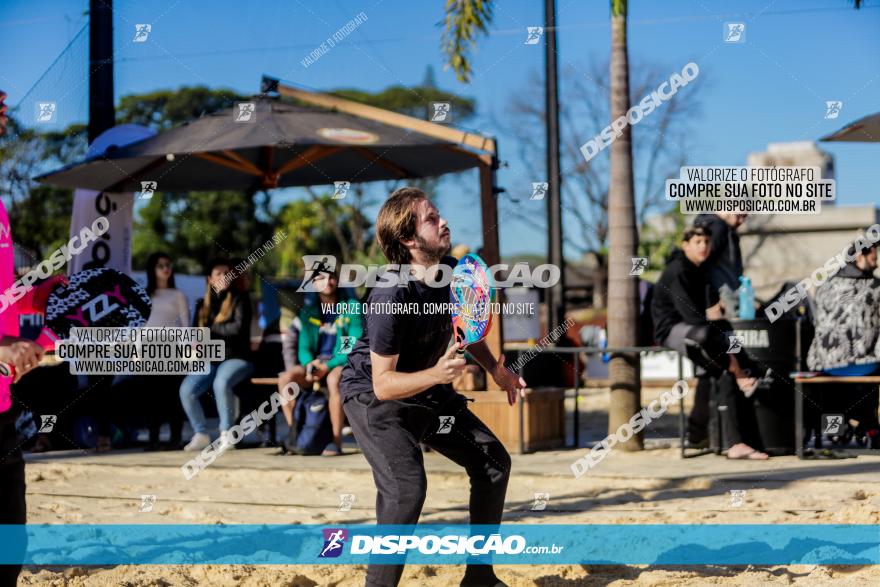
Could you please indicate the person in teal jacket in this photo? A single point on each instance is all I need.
(329, 327)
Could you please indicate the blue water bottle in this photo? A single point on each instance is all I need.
(746, 299)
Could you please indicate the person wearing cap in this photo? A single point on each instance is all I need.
(724, 265)
(685, 312)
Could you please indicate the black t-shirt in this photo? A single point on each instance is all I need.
(419, 338)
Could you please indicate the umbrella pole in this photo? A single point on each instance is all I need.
(491, 249)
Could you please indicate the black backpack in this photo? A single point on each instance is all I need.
(312, 430)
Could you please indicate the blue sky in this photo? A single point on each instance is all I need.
(772, 88)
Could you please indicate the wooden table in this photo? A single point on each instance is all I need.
(799, 401)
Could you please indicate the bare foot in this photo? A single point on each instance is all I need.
(744, 451)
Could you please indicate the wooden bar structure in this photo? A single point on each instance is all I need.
(538, 422)
(483, 149)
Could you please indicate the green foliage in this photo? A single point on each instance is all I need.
(412, 101)
(40, 220)
(303, 220)
(164, 109)
(306, 221)
(39, 214)
(194, 227)
(657, 242)
(463, 21)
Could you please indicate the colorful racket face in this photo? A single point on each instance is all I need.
(472, 295)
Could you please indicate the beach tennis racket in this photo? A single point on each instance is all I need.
(471, 294)
(90, 298)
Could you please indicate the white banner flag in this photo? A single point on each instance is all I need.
(113, 249)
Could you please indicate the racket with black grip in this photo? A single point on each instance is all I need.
(90, 298)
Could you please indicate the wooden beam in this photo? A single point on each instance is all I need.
(211, 157)
(438, 131)
(270, 176)
(489, 209)
(236, 157)
(485, 158)
(307, 157)
(375, 158)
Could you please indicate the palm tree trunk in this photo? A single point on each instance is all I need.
(623, 293)
(600, 283)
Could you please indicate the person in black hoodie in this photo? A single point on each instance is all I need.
(684, 303)
(226, 310)
(724, 266)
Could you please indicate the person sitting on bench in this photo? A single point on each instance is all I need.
(686, 314)
(847, 333)
(325, 338)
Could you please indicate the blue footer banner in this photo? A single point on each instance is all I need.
(519, 544)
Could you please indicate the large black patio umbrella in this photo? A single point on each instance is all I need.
(281, 145)
(864, 130)
(274, 145)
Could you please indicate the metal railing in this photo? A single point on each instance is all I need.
(576, 351)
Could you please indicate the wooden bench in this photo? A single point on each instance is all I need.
(264, 381)
(538, 423)
(646, 383)
(799, 383)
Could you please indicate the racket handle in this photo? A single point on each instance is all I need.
(46, 339)
(7, 370)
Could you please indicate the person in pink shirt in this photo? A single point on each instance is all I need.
(22, 355)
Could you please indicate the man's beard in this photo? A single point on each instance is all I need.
(431, 253)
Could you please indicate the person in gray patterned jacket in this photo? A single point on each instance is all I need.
(847, 339)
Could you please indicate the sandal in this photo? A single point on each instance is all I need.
(332, 451)
(751, 455)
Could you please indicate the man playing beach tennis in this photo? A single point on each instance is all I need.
(396, 386)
